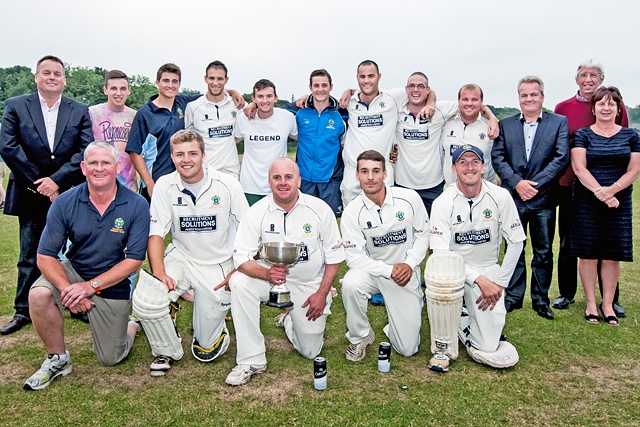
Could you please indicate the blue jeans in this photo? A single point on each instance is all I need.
(542, 227)
(28, 272)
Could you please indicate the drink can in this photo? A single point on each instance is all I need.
(320, 373)
(384, 357)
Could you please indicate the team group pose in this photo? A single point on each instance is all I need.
(406, 173)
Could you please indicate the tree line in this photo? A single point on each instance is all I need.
(85, 84)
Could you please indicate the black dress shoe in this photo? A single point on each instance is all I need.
(544, 311)
(82, 316)
(617, 308)
(511, 305)
(15, 324)
(562, 303)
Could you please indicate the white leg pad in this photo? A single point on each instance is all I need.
(444, 279)
(505, 356)
(150, 304)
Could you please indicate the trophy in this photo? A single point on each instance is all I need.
(281, 253)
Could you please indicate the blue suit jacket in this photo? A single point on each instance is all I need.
(550, 156)
(25, 149)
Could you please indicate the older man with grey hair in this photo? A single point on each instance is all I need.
(578, 111)
(99, 214)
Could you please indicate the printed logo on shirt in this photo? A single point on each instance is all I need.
(272, 229)
(397, 237)
(482, 136)
(487, 214)
(234, 114)
(472, 237)
(304, 253)
(113, 133)
(458, 220)
(382, 104)
(180, 202)
(435, 231)
(152, 219)
(453, 148)
(221, 132)
(264, 137)
(330, 124)
(516, 224)
(198, 223)
(451, 134)
(348, 244)
(400, 216)
(415, 134)
(180, 113)
(370, 121)
(337, 246)
(118, 226)
(307, 228)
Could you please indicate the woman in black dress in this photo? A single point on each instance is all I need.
(606, 160)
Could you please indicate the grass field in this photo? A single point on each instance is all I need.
(570, 373)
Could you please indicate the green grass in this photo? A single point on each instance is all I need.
(570, 373)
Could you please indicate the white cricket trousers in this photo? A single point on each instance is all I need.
(247, 293)
(209, 307)
(485, 327)
(403, 304)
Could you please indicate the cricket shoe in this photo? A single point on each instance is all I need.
(53, 367)
(209, 355)
(439, 362)
(241, 374)
(357, 352)
(279, 319)
(160, 366)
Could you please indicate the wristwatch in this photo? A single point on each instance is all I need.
(95, 284)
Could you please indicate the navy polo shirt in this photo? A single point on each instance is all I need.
(98, 242)
(151, 132)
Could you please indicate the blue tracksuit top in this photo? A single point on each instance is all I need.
(319, 155)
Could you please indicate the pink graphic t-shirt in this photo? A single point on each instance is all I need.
(114, 126)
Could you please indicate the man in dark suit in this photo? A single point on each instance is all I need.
(529, 156)
(42, 140)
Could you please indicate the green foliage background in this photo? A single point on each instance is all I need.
(85, 84)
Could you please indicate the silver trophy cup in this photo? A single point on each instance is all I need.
(281, 253)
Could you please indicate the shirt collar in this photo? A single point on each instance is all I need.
(580, 98)
(43, 101)
(522, 119)
(226, 99)
(210, 173)
(388, 199)
(274, 207)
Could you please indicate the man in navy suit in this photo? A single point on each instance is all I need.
(42, 141)
(529, 156)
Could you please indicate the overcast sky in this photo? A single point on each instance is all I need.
(492, 43)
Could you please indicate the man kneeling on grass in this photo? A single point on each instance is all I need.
(470, 219)
(284, 216)
(107, 225)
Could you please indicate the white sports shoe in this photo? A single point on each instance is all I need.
(439, 362)
(279, 319)
(357, 352)
(242, 373)
(53, 367)
(160, 366)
